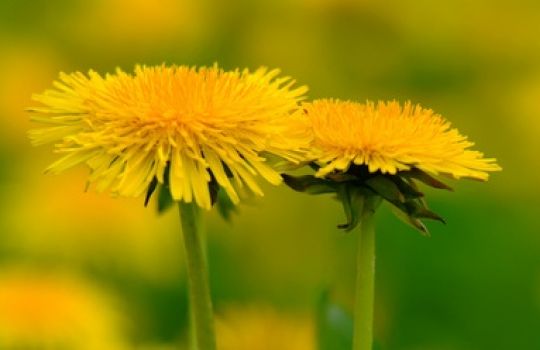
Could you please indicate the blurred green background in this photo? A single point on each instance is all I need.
(108, 273)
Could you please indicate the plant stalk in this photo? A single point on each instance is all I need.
(200, 302)
(365, 284)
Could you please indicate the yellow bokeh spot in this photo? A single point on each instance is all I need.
(259, 327)
(56, 312)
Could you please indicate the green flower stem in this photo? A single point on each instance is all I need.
(202, 317)
(365, 284)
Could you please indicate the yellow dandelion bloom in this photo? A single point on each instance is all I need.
(390, 138)
(183, 126)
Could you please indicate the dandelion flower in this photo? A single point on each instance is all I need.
(194, 131)
(381, 149)
(183, 127)
(367, 153)
(390, 138)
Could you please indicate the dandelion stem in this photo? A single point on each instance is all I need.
(365, 285)
(202, 318)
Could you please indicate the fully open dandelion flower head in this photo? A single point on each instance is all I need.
(179, 124)
(390, 138)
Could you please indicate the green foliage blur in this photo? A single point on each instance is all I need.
(474, 285)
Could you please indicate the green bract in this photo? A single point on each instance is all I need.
(359, 191)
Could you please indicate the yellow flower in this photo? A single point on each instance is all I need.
(390, 138)
(56, 312)
(368, 152)
(186, 127)
(262, 328)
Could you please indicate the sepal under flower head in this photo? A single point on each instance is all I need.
(218, 197)
(359, 191)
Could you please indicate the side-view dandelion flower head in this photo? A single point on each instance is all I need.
(379, 150)
(389, 138)
(183, 127)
